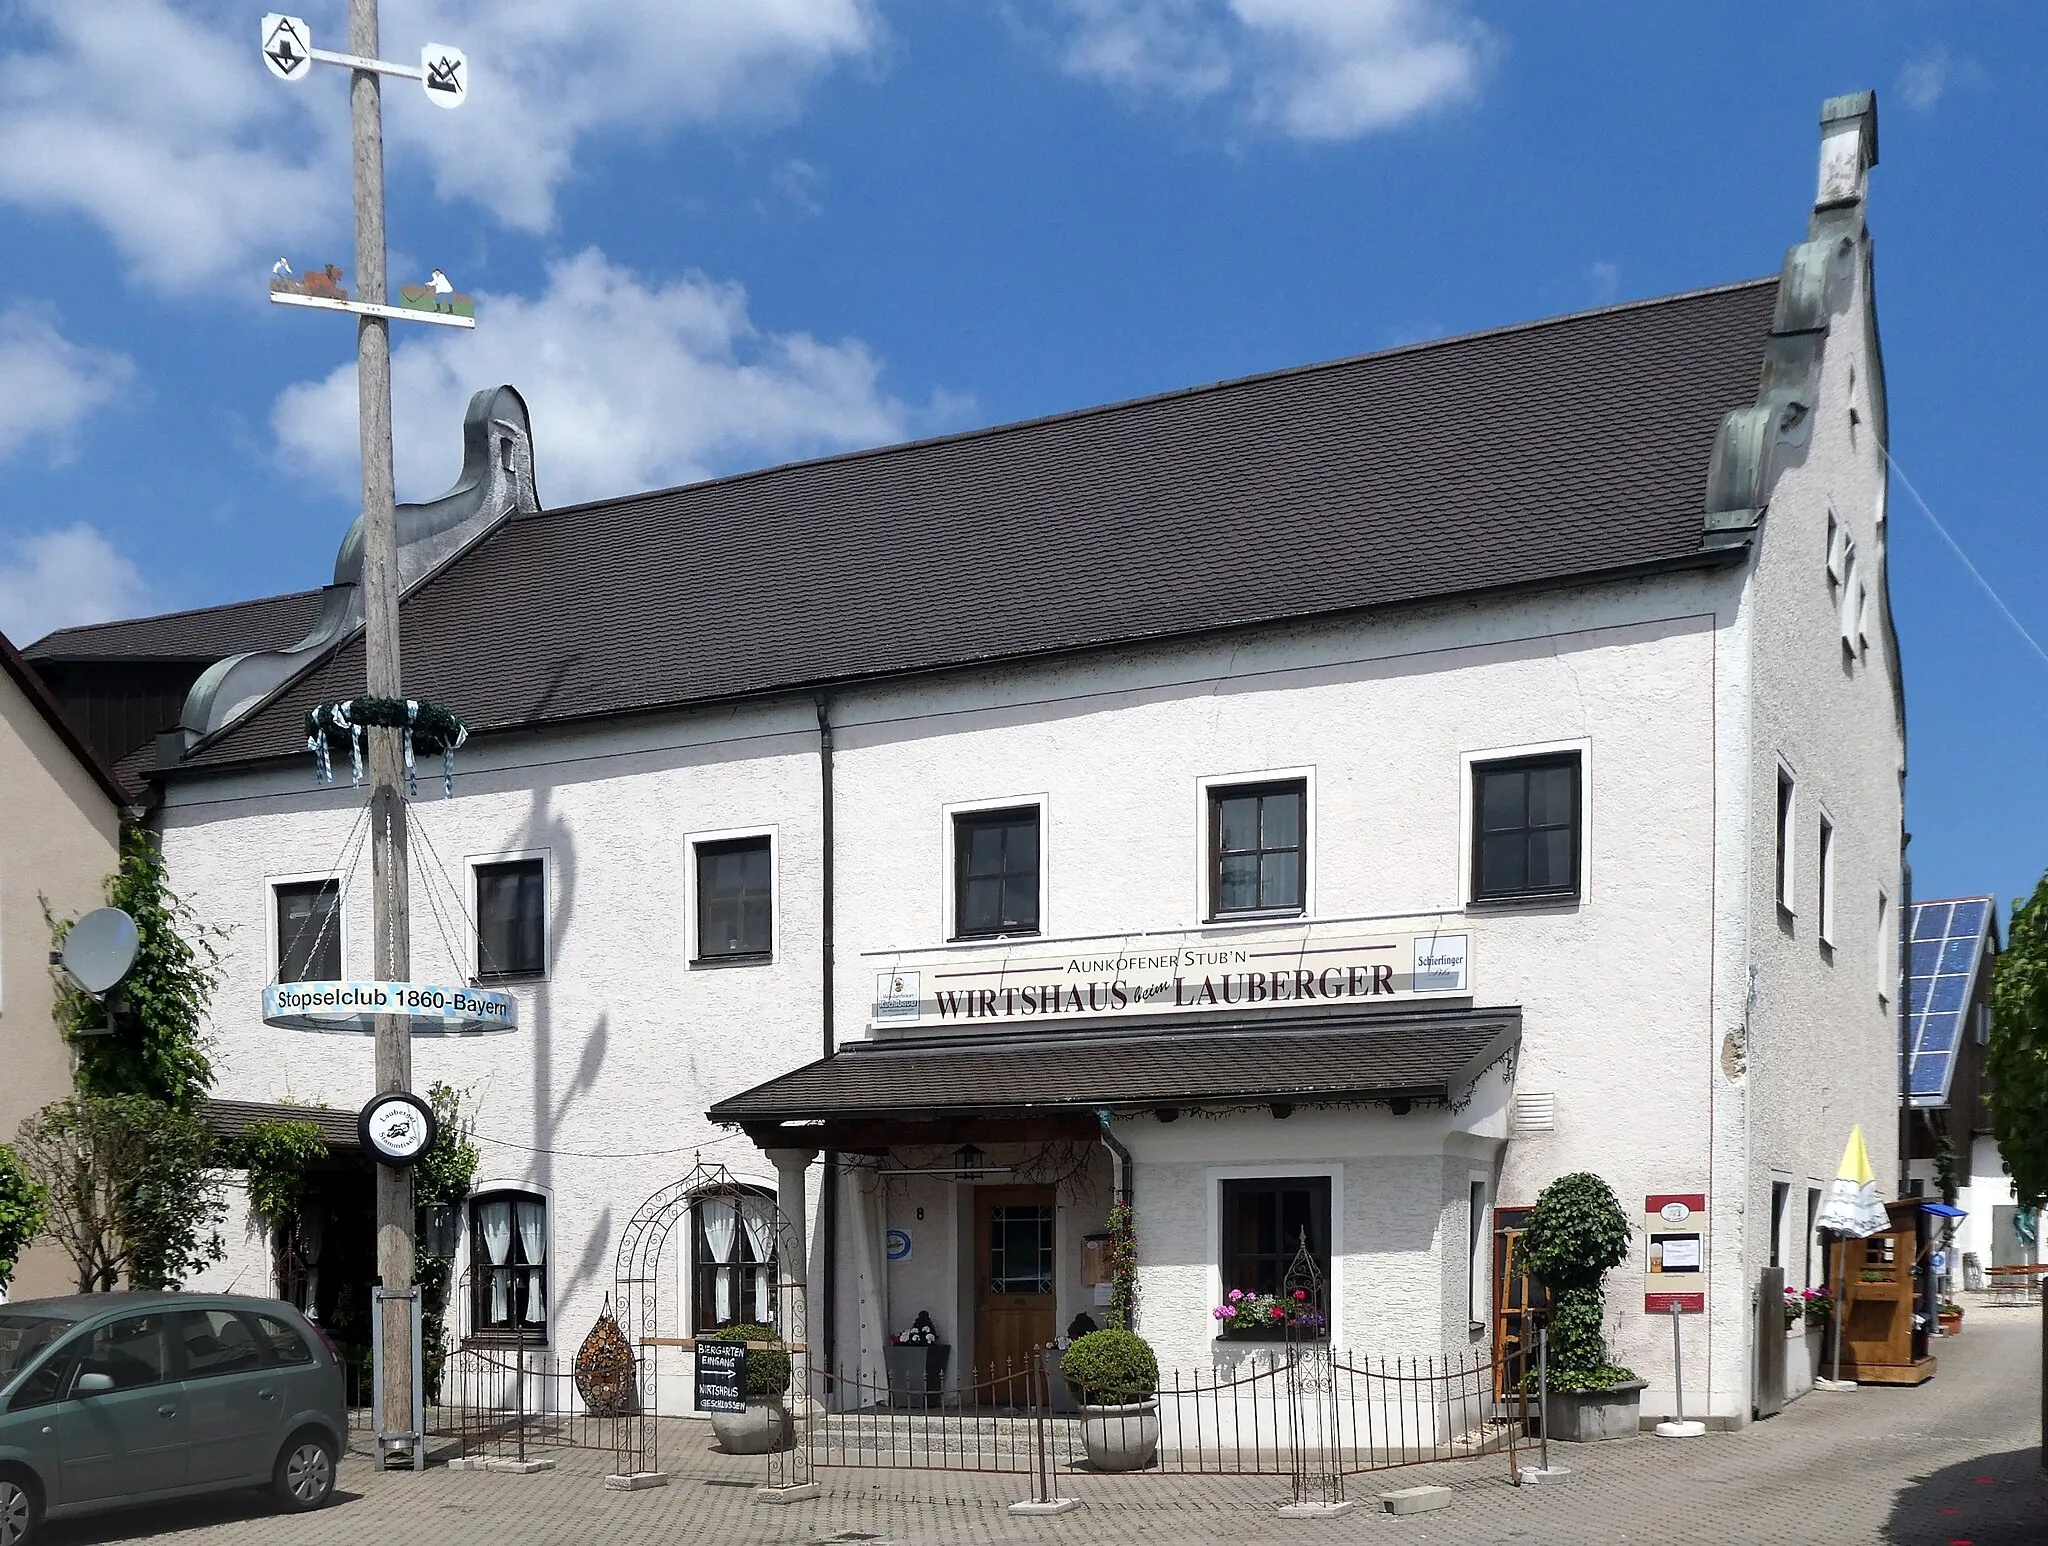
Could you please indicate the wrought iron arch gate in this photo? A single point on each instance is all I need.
(657, 1324)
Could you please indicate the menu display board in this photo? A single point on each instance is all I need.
(1675, 1224)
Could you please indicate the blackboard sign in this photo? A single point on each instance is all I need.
(721, 1376)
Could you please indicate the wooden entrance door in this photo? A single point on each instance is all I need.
(1013, 1295)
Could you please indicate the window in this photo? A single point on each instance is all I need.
(1475, 1254)
(309, 931)
(1781, 1192)
(23, 1339)
(1020, 1248)
(733, 1256)
(508, 1256)
(1884, 948)
(1826, 909)
(1525, 842)
(1258, 842)
(511, 919)
(735, 900)
(1837, 538)
(995, 873)
(131, 1352)
(1785, 788)
(1264, 1225)
(1812, 1229)
(284, 1342)
(217, 1342)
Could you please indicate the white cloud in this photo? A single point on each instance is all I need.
(1313, 69)
(156, 120)
(48, 384)
(632, 385)
(59, 579)
(1927, 77)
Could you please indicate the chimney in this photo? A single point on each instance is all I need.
(1848, 148)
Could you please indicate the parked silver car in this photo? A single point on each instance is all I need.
(112, 1399)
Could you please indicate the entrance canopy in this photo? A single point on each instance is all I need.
(972, 1084)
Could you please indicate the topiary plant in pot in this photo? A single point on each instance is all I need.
(1115, 1377)
(766, 1424)
(1577, 1233)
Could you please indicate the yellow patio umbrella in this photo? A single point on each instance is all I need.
(1851, 1208)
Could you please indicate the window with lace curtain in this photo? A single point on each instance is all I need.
(733, 1259)
(508, 1265)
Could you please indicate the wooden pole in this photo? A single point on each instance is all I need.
(389, 870)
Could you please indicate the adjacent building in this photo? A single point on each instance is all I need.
(60, 821)
(1321, 808)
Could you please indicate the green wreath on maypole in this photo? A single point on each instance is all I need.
(429, 728)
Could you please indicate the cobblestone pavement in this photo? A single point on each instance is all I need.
(1956, 1462)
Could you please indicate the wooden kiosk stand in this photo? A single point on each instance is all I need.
(1876, 1286)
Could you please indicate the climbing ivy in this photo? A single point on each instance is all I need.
(441, 1178)
(24, 1206)
(1123, 1268)
(158, 1049)
(276, 1156)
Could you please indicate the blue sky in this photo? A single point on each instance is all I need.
(708, 236)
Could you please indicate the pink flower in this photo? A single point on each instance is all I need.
(1220, 1313)
(1301, 1293)
(1277, 1312)
(1236, 1294)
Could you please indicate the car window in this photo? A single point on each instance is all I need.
(217, 1342)
(285, 1343)
(46, 1383)
(23, 1338)
(132, 1351)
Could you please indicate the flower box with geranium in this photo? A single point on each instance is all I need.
(1810, 1307)
(1269, 1317)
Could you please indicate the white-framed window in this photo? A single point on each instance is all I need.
(1850, 598)
(1825, 845)
(732, 1259)
(997, 878)
(508, 1263)
(1255, 833)
(306, 923)
(733, 896)
(1886, 949)
(1525, 824)
(509, 901)
(1787, 844)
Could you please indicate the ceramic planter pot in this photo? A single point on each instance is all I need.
(1951, 1324)
(1591, 1416)
(1121, 1438)
(764, 1426)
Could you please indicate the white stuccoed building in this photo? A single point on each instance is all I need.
(1328, 805)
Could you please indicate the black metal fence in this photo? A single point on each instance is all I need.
(510, 1403)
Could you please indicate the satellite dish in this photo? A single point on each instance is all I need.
(100, 948)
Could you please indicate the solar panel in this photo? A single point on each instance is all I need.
(1947, 940)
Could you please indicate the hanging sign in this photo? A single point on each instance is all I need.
(287, 47)
(1282, 967)
(444, 71)
(721, 1376)
(351, 1008)
(1676, 1226)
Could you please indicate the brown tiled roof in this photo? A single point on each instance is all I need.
(206, 633)
(1429, 1056)
(1525, 456)
(234, 1118)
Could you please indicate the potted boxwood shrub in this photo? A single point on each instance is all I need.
(765, 1425)
(1115, 1378)
(1577, 1233)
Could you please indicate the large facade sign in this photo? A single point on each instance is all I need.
(1152, 974)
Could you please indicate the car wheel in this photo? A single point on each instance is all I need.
(19, 1510)
(304, 1478)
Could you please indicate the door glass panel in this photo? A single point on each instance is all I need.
(217, 1342)
(130, 1352)
(1020, 1249)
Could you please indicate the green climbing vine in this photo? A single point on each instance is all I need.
(276, 1157)
(1123, 1268)
(158, 1048)
(24, 1207)
(441, 1179)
